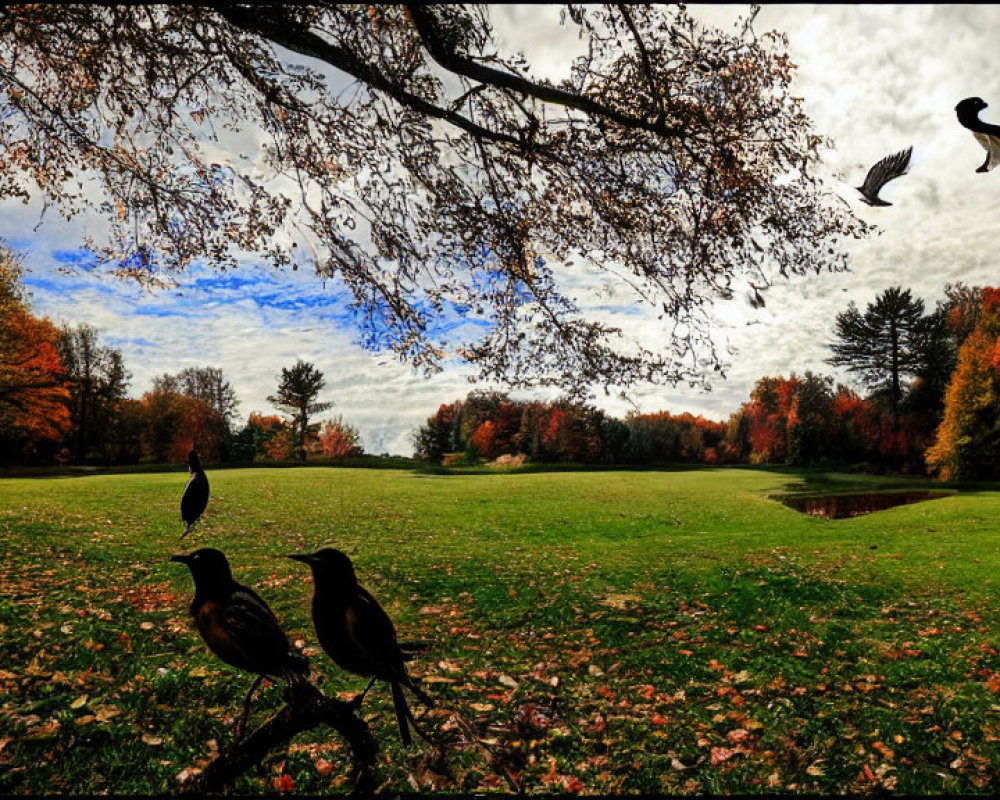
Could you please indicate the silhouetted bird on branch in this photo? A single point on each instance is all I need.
(238, 626)
(986, 134)
(358, 635)
(195, 497)
(881, 173)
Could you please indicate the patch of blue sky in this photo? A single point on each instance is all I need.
(61, 285)
(191, 310)
(122, 341)
(628, 310)
(231, 282)
(80, 258)
(289, 301)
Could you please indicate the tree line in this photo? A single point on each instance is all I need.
(929, 403)
(64, 398)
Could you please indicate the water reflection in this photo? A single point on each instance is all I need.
(838, 506)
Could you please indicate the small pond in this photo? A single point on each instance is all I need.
(838, 506)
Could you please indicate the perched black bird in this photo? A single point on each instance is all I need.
(879, 175)
(358, 635)
(237, 624)
(986, 134)
(195, 497)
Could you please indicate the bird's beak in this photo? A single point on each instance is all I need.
(305, 558)
(181, 559)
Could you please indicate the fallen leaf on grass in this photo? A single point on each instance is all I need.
(104, 713)
(79, 702)
(323, 767)
(153, 741)
(187, 773)
(49, 729)
(886, 752)
(285, 783)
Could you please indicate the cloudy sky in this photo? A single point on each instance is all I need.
(876, 79)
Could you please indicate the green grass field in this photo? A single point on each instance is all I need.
(618, 631)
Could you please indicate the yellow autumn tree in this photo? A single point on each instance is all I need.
(967, 442)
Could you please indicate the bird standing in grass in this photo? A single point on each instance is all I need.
(238, 626)
(195, 497)
(986, 134)
(358, 635)
(881, 173)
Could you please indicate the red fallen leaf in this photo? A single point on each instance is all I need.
(986, 647)
(720, 755)
(284, 784)
(993, 683)
(605, 692)
(647, 691)
(866, 775)
(597, 724)
(887, 752)
(323, 767)
(574, 785)
(760, 628)
(658, 719)
(686, 652)
(737, 735)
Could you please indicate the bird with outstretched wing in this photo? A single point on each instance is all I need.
(880, 174)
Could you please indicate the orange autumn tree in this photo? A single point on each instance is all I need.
(336, 439)
(34, 414)
(967, 443)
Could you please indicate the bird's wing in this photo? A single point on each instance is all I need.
(375, 634)
(991, 144)
(886, 170)
(255, 630)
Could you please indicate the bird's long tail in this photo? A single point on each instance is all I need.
(411, 648)
(403, 716)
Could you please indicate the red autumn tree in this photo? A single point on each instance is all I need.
(34, 413)
(172, 424)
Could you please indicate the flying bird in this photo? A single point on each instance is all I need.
(358, 635)
(986, 134)
(879, 175)
(195, 497)
(238, 626)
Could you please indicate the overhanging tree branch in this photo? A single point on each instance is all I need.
(425, 23)
(292, 37)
